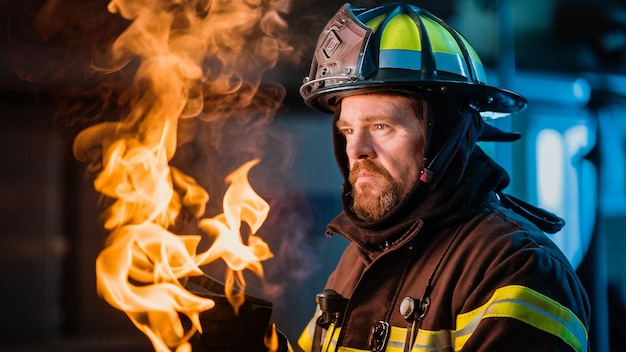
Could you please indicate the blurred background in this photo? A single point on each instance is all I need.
(568, 57)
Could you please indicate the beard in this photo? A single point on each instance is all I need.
(371, 200)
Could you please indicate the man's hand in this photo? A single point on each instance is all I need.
(222, 330)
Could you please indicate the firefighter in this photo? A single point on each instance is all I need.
(440, 258)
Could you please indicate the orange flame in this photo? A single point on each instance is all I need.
(271, 340)
(241, 204)
(140, 269)
(148, 254)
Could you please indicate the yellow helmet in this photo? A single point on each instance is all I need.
(399, 47)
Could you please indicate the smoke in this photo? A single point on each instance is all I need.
(92, 59)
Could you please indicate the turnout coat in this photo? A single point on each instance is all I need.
(477, 275)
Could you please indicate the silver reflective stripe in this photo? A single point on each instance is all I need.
(399, 58)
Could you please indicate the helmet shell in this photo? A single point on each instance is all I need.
(399, 47)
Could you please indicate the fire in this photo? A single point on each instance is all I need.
(271, 340)
(156, 259)
(241, 205)
(143, 263)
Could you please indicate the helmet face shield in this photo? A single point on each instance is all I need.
(398, 47)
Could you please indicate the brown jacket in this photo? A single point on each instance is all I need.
(494, 281)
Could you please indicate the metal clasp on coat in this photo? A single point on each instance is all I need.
(333, 307)
(413, 310)
(379, 335)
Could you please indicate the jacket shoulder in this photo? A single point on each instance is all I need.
(500, 248)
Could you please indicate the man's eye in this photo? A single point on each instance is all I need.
(346, 130)
(380, 126)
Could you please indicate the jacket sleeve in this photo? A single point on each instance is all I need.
(527, 298)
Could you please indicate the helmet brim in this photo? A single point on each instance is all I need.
(491, 102)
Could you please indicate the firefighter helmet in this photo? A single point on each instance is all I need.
(399, 47)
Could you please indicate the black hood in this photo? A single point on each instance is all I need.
(463, 176)
(442, 206)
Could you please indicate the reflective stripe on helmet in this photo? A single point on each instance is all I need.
(475, 62)
(399, 47)
(402, 35)
(400, 43)
(400, 32)
(441, 40)
(404, 59)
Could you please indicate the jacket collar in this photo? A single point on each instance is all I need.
(443, 206)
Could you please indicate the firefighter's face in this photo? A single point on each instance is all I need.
(384, 144)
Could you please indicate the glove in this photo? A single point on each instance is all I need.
(222, 329)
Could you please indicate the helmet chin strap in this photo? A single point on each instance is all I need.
(432, 172)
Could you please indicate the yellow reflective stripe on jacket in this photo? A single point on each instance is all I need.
(426, 341)
(530, 307)
(516, 302)
(437, 341)
(305, 341)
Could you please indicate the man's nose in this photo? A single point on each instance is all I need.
(359, 146)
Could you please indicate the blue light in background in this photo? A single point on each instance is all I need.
(566, 182)
(548, 166)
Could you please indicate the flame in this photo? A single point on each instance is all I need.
(271, 340)
(241, 205)
(141, 267)
(148, 254)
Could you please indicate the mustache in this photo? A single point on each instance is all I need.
(367, 166)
